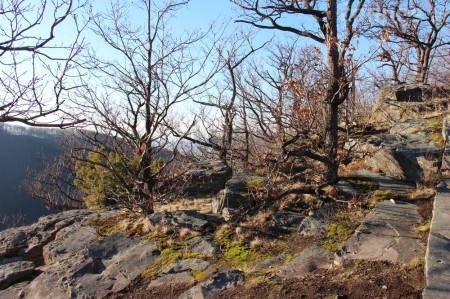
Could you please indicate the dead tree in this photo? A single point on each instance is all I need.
(36, 65)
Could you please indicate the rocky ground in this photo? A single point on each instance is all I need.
(364, 238)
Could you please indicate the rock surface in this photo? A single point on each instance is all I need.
(15, 271)
(381, 182)
(217, 283)
(207, 178)
(235, 195)
(311, 258)
(316, 224)
(188, 219)
(29, 240)
(201, 244)
(180, 272)
(287, 219)
(386, 235)
(406, 101)
(405, 156)
(437, 259)
(95, 271)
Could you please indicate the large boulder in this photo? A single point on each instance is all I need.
(408, 101)
(236, 195)
(411, 152)
(207, 178)
(28, 241)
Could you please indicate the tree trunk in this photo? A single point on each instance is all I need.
(332, 99)
(331, 141)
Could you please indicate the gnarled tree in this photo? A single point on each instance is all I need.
(332, 24)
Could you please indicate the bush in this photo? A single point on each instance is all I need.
(101, 177)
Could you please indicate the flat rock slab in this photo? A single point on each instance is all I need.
(311, 258)
(437, 259)
(387, 235)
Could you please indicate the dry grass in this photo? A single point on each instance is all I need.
(256, 243)
(202, 205)
(352, 167)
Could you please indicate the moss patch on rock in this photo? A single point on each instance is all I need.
(337, 233)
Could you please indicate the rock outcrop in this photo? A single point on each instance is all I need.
(411, 151)
(207, 178)
(236, 196)
(408, 101)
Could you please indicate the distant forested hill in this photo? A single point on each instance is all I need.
(22, 150)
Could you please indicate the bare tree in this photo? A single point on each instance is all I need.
(36, 64)
(411, 33)
(54, 183)
(320, 22)
(133, 90)
(217, 130)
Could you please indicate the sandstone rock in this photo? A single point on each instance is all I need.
(271, 263)
(201, 245)
(101, 268)
(217, 283)
(407, 101)
(380, 182)
(180, 272)
(15, 271)
(387, 235)
(311, 258)
(29, 240)
(69, 240)
(235, 195)
(13, 291)
(405, 156)
(287, 219)
(315, 225)
(189, 219)
(207, 178)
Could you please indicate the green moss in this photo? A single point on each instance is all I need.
(168, 256)
(380, 195)
(337, 233)
(289, 258)
(240, 255)
(258, 279)
(255, 183)
(200, 275)
(437, 138)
